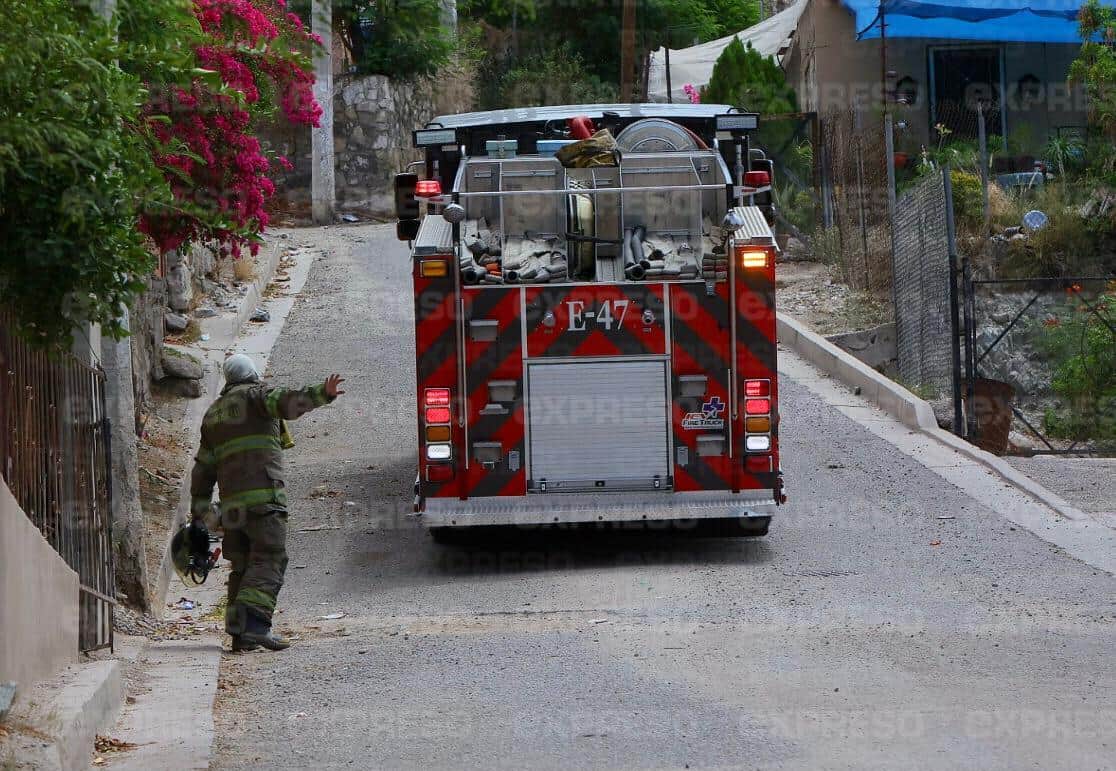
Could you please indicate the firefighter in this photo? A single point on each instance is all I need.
(242, 440)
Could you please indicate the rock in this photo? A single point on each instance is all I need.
(204, 313)
(181, 365)
(260, 316)
(943, 411)
(174, 322)
(191, 389)
(796, 251)
(180, 291)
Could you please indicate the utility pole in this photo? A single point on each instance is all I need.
(888, 119)
(627, 50)
(321, 138)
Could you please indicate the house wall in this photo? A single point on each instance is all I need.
(830, 69)
(38, 600)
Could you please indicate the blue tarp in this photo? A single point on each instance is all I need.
(1028, 21)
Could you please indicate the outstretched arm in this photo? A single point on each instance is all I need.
(290, 403)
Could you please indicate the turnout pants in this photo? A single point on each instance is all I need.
(255, 543)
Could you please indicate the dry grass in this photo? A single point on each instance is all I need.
(244, 269)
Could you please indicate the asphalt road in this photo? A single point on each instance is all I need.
(864, 631)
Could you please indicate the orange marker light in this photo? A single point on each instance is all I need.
(759, 425)
(442, 433)
(433, 268)
(752, 260)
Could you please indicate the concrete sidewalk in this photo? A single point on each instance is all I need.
(1088, 483)
(56, 722)
(868, 396)
(171, 721)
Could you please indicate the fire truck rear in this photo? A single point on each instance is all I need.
(595, 320)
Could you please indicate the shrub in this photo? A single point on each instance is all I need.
(1084, 348)
(968, 197)
(557, 77)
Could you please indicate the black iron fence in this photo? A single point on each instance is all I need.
(1040, 364)
(54, 456)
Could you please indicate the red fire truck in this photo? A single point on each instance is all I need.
(595, 317)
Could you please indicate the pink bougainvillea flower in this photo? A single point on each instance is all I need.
(216, 167)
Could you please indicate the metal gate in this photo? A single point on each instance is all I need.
(598, 425)
(54, 457)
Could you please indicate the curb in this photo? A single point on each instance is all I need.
(85, 705)
(223, 330)
(906, 407)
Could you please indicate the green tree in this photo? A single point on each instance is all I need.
(1095, 69)
(590, 30)
(72, 172)
(745, 78)
(398, 38)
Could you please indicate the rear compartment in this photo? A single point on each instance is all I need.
(595, 344)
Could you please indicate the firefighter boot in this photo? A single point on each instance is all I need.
(240, 646)
(257, 631)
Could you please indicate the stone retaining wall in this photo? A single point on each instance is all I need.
(373, 120)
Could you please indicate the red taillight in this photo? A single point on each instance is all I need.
(428, 188)
(753, 179)
(757, 388)
(437, 415)
(437, 397)
(757, 406)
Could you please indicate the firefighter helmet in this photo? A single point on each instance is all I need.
(190, 552)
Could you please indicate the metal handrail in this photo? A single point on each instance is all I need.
(589, 191)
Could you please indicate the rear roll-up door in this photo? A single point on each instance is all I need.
(600, 425)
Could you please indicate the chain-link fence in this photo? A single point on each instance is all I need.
(923, 312)
(855, 199)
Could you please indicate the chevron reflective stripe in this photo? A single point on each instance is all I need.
(251, 596)
(250, 443)
(200, 506)
(259, 497)
(700, 342)
(499, 359)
